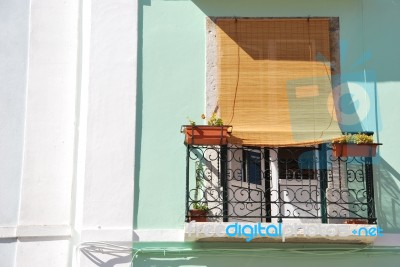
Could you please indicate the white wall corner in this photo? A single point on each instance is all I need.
(43, 231)
(8, 232)
(159, 235)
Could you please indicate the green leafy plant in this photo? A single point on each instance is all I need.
(214, 120)
(358, 138)
(198, 205)
(193, 123)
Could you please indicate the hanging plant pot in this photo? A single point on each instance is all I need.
(206, 135)
(198, 215)
(356, 221)
(354, 150)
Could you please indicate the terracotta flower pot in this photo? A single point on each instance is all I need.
(206, 135)
(198, 215)
(354, 150)
(356, 221)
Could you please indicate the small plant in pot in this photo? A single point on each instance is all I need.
(214, 133)
(356, 221)
(199, 209)
(199, 212)
(355, 145)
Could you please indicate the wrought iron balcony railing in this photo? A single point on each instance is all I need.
(305, 184)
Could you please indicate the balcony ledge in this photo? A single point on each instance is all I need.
(280, 233)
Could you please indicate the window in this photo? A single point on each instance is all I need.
(274, 182)
(252, 163)
(275, 79)
(275, 86)
(297, 163)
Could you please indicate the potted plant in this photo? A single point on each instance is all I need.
(356, 221)
(214, 133)
(199, 209)
(355, 145)
(199, 212)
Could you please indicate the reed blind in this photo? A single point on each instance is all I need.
(275, 81)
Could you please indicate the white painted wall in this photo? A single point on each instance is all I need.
(105, 169)
(68, 89)
(67, 108)
(13, 69)
(48, 158)
(50, 114)
(111, 116)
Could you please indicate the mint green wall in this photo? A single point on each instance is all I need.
(269, 258)
(171, 87)
(200, 254)
(382, 40)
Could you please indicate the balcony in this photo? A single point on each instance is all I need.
(278, 185)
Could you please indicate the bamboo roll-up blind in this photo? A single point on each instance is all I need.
(275, 81)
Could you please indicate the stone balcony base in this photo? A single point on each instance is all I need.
(281, 232)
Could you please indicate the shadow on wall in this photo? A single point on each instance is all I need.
(386, 55)
(139, 109)
(115, 261)
(265, 257)
(387, 198)
(356, 96)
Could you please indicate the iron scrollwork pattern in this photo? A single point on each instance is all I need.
(269, 184)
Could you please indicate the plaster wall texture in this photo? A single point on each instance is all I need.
(171, 86)
(68, 89)
(82, 154)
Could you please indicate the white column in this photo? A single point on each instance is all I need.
(106, 146)
(47, 173)
(14, 16)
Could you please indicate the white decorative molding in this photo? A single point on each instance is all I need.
(211, 71)
(43, 231)
(22, 231)
(167, 235)
(110, 235)
(8, 232)
(159, 235)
